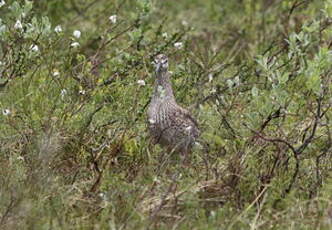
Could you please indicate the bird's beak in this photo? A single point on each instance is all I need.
(158, 67)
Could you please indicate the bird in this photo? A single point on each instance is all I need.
(169, 124)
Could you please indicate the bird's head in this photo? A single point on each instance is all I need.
(161, 63)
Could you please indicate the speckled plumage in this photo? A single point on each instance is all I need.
(169, 124)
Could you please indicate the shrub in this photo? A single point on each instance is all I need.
(75, 80)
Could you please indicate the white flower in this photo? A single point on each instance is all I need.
(6, 112)
(63, 93)
(102, 195)
(230, 83)
(2, 3)
(77, 33)
(34, 48)
(75, 44)
(82, 92)
(155, 179)
(141, 82)
(58, 29)
(210, 76)
(184, 23)
(213, 90)
(213, 214)
(164, 35)
(20, 158)
(30, 27)
(2, 28)
(56, 73)
(18, 25)
(113, 19)
(178, 45)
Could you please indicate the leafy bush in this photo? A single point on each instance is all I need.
(75, 80)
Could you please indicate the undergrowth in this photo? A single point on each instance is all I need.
(76, 77)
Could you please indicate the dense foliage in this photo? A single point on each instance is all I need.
(75, 80)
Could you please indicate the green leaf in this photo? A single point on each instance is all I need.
(28, 6)
(254, 91)
(313, 82)
(284, 78)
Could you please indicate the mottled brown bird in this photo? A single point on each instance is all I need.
(170, 125)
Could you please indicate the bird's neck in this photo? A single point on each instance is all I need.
(163, 87)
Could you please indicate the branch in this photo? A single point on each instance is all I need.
(274, 140)
(307, 141)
